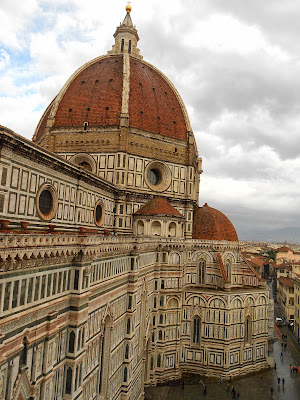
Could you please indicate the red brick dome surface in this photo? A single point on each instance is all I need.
(153, 105)
(211, 224)
(94, 95)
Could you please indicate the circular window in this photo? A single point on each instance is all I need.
(85, 161)
(46, 201)
(158, 176)
(99, 213)
(86, 165)
(154, 176)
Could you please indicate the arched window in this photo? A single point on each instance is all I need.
(248, 330)
(154, 302)
(82, 337)
(129, 47)
(126, 351)
(129, 302)
(161, 319)
(172, 229)
(69, 381)
(153, 337)
(159, 361)
(140, 228)
(128, 326)
(154, 321)
(76, 378)
(23, 355)
(78, 341)
(161, 301)
(80, 371)
(228, 269)
(76, 279)
(125, 374)
(156, 228)
(202, 271)
(196, 330)
(122, 45)
(160, 335)
(174, 259)
(71, 342)
(151, 363)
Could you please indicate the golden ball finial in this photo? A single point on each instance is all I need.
(128, 7)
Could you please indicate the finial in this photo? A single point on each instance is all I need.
(128, 7)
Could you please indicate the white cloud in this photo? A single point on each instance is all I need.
(16, 17)
(224, 33)
(4, 59)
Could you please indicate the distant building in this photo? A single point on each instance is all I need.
(297, 307)
(264, 266)
(286, 297)
(285, 254)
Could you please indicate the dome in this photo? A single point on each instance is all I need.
(158, 206)
(94, 94)
(119, 104)
(113, 92)
(211, 224)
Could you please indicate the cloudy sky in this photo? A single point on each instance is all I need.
(235, 63)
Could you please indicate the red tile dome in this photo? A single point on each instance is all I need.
(94, 94)
(158, 206)
(211, 224)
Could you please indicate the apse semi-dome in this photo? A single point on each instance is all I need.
(211, 224)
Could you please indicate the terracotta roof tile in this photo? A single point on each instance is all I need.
(253, 269)
(287, 282)
(222, 268)
(283, 249)
(158, 206)
(282, 266)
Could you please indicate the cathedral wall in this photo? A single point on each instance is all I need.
(23, 177)
(122, 321)
(129, 171)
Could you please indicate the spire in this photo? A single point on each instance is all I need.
(126, 37)
(127, 20)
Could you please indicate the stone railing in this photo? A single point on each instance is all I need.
(18, 251)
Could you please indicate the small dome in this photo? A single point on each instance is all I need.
(158, 206)
(211, 224)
